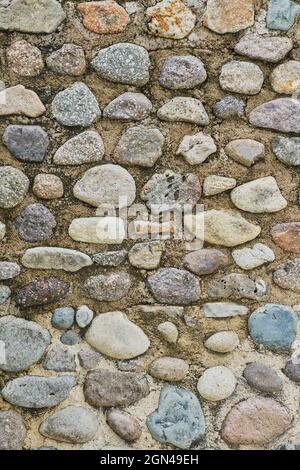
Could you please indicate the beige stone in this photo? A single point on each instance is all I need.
(222, 342)
(171, 19)
(104, 230)
(170, 369)
(19, 100)
(229, 16)
(47, 186)
(285, 78)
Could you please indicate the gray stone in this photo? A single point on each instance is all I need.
(292, 368)
(282, 114)
(245, 151)
(196, 148)
(55, 258)
(108, 288)
(251, 258)
(14, 186)
(70, 338)
(2, 230)
(9, 270)
(24, 343)
(84, 316)
(241, 77)
(215, 184)
(110, 258)
(237, 286)
(35, 223)
(89, 359)
(182, 72)
(205, 261)
(12, 430)
(5, 293)
(223, 310)
(68, 60)
(41, 291)
(123, 424)
(145, 255)
(86, 147)
(128, 107)
(63, 318)
(26, 143)
(32, 391)
(263, 378)
(170, 369)
(266, 48)
(60, 360)
(287, 275)
(229, 107)
(168, 331)
(184, 109)
(174, 286)
(287, 149)
(259, 196)
(123, 63)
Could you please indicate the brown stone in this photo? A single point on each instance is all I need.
(205, 261)
(255, 421)
(287, 276)
(287, 236)
(47, 186)
(229, 16)
(24, 59)
(123, 424)
(106, 17)
(19, 100)
(41, 292)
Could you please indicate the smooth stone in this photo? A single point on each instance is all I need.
(35, 223)
(184, 109)
(282, 114)
(179, 418)
(168, 331)
(266, 48)
(285, 77)
(287, 275)
(164, 310)
(123, 63)
(25, 343)
(128, 107)
(89, 359)
(224, 310)
(251, 258)
(287, 149)
(274, 326)
(114, 335)
(215, 184)
(60, 360)
(139, 146)
(55, 258)
(105, 185)
(170, 19)
(229, 107)
(84, 316)
(63, 318)
(19, 100)
(32, 391)
(228, 16)
(24, 59)
(222, 227)
(76, 106)
(241, 77)
(5, 293)
(145, 255)
(170, 369)
(9, 270)
(105, 17)
(205, 261)
(12, 430)
(255, 421)
(104, 230)
(174, 286)
(292, 369)
(282, 14)
(68, 60)
(263, 378)
(14, 186)
(113, 388)
(237, 286)
(216, 383)
(47, 186)
(2, 230)
(196, 148)
(70, 338)
(86, 147)
(41, 291)
(124, 425)
(110, 258)
(287, 236)
(182, 72)
(222, 342)
(259, 196)
(245, 151)
(108, 287)
(73, 424)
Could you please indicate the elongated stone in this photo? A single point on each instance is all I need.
(267, 48)
(184, 109)
(223, 310)
(251, 258)
(41, 292)
(55, 258)
(237, 286)
(259, 196)
(281, 115)
(86, 147)
(215, 184)
(123, 424)
(205, 261)
(222, 342)
(102, 230)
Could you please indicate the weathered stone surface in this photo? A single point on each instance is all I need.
(222, 342)
(60, 360)
(267, 48)
(259, 196)
(182, 72)
(24, 59)
(251, 258)
(14, 185)
(63, 318)
(123, 424)
(245, 151)
(33, 391)
(104, 230)
(216, 383)
(223, 310)
(86, 147)
(229, 16)
(263, 378)
(20, 100)
(287, 276)
(179, 419)
(205, 261)
(285, 77)
(70, 338)
(128, 107)
(168, 331)
(69, 60)
(89, 359)
(214, 184)
(41, 292)
(281, 115)
(170, 19)
(237, 286)
(255, 421)
(287, 236)
(105, 17)
(274, 326)
(229, 107)
(184, 109)
(25, 343)
(112, 388)
(55, 258)
(109, 288)
(196, 148)
(35, 223)
(12, 430)
(145, 255)
(287, 149)
(241, 77)
(292, 368)
(170, 369)
(2, 230)
(281, 14)
(139, 146)
(5, 293)
(174, 286)
(114, 335)
(48, 186)
(110, 258)
(9, 270)
(84, 316)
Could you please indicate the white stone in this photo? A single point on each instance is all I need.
(184, 109)
(216, 383)
(86, 147)
(245, 151)
(259, 196)
(241, 77)
(2, 230)
(223, 310)
(168, 331)
(250, 258)
(222, 342)
(196, 148)
(104, 230)
(84, 316)
(19, 100)
(55, 258)
(170, 19)
(214, 184)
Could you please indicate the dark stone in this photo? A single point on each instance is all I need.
(41, 292)
(26, 143)
(35, 223)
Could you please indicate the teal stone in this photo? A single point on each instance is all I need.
(274, 326)
(281, 14)
(179, 419)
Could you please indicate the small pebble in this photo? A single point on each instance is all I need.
(9, 270)
(245, 151)
(263, 378)
(128, 107)
(251, 258)
(285, 77)
(41, 291)
(222, 342)
(215, 184)
(123, 424)
(287, 275)
(68, 60)
(174, 286)
(229, 107)
(89, 359)
(223, 16)
(20, 101)
(216, 383)
(287, 236)
(110, 258)
(70, 338)
(170, 369)
(205, 261)
(60, 360)
(182, 72)
(262, 47)
(5, 293)
(84, 316)
(292, 369)
(282, 114)
(287, 149)
(168, 331)
(48, 186)
(35, 223)
(196, 148)
(63, 318)
(184, 109)
(238, 286)
(145, 255)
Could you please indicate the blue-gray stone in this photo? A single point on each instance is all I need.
(63, 318)
(26, 143)
(281, 14)
(179, 419)
(274, 326)
(70, 338)
(5, 293)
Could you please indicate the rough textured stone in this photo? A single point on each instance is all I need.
(184, 109)
(69, 60)
(259, 196)
(170, 369)
(2, 230)
(55, 258)
(60, 360)
(281, 14)
(287, 149)
(110, 258)
(237, 286)
(292, 369)
(216, 383)
(5, 293)
(14, 185)
(86, 147)
(287, 275)
(241, 77)
(12, 430)
(170, 19)
(123, 424)
(35, 223)
(229, 16)
(84, 316)
(70, 338)
(174, 286)
(267, 48)
(215, 184)
(263, 378)
(9, 270)
(251, 258)
(168, 331)
(109, 288)
(145, 255)
(104, 230)
(196, 148)
(48, 186)
(281, 115)
(287, 236)
(24, 59)
(223, 310)
(229, 107)
(128, 107)
(105, 17)
(139, 146)
(245, 151)
(89, 359)
(182, 72)
(63, 318)
(222, 342)
(205, 261)
(41, 292)
(20, 100)
(285, 77)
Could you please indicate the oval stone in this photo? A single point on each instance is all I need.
(205, 261)
(123, 424)
(182, 72)
(287, 276)
(174, 286)
(263, 378)
(55, 258)
(109, 288)
(222, 342)
(216, 383)
(14, 186)
(41, 292)
(287, 149)
(170, 369)
(292, 368)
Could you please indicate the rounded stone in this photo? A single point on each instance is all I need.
(285, 78)
(196, 148)
(9, 270)
(287, 149)
(24, 59)
(263, 378)
(41, 291)
(170, 19)
(174, 286)
(20, 101)
(241, 77)
(35, 223)
(245, 151)
(264, 47)
(229, 107)
(216, 383)
(123, 424)
(14, 186)
(170, 369)
(182, 72)
(12, 430)
(63, 318)
(128, 107)
(168, 331)
(205, 261)
(287, 236)
(229, 16)
(145, 255)
(26, 143)
(84, 316)
(184, 109)
(103, 230)
(287, 275)
(222, 342)
(70, 338)
(292, 368)
(105, 17)
(86, 147)
(48, 186)
(259, 196)
(69, 60)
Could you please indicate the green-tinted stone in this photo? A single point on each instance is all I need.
(281, 14)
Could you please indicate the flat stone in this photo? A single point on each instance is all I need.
(174, 286)
(282, 14)
(216, 383)
(174, 312)
(34, 16)
(287, 236)
(84, 316)
(123, 63)
(222, 227)
(229, 107)
(281, 115)
(105, 17)
(139, 146)
(292, 369)
(12, 430)
(105, 185)
(2, 230)
(113, 388)
(35, 223)
(263, 378)
(285, 77)
(74, 424)
(184, 109)
(196, 148)
(168, 331)
(229, 16)
(48, 186)
(103, 230)
(14, 186)
(255, 421)
(20, 100)
(86, 147)
(63, 318)
(274, 326)
(259, 196)
(126, 426)
(215, 184)
(182, 72)
(205, 261)
(266, 48)
(24, 59)
(179, 418)
(32, 391)
(170, 19)
(128, 107)
(170, 369)
(89, 359)
(146, 255)
(241, 77)
(76, 106)
(245, 151)
(70, 338)
(108, 288)
(60, 360)
(223, 310)
(9, 270)
(251, 258)
(114, 335)
(41, 291)
(237, 286)
(287, 149)
(222, 342)
(55, 258)
(109, 258)
(287, 275)
(25, 343)
(68, 60)
(5, 294)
